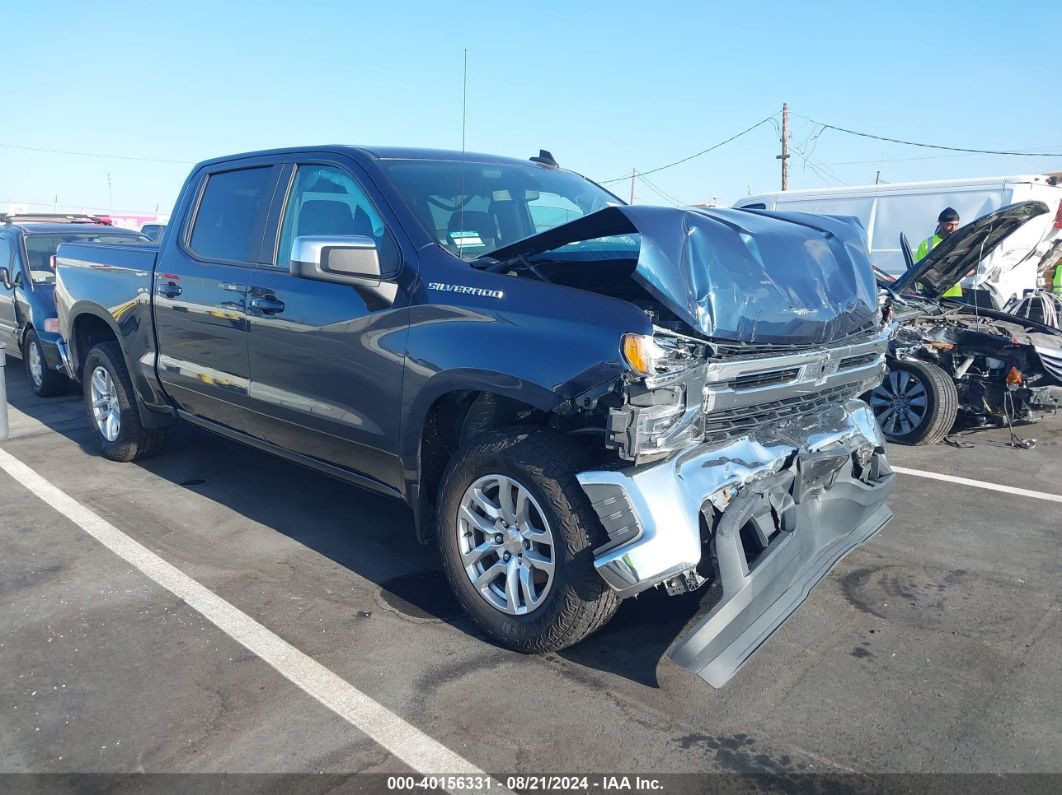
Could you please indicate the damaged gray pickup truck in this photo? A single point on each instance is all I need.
(580, 400)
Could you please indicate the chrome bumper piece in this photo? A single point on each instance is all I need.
(66, 363)
(803, 494)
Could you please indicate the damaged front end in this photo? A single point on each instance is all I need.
(1003, 366)
(755, 473)
(743, 456)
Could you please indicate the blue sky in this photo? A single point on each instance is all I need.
(606, 87)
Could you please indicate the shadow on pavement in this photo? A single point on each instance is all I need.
(635, 642)
(368, 534)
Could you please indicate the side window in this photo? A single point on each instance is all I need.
(229, 212)
(327, 201)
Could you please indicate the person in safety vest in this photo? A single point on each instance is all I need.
(1058, 278)
(947, 222)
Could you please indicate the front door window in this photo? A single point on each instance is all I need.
(326, 201)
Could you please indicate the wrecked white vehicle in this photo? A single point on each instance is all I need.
(745, 456)
(954, 361)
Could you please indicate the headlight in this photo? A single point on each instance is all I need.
(663, 352)
(641, 352)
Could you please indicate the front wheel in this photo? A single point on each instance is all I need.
(517, 534)
(916, 403)
(110, 405)
(45, 381)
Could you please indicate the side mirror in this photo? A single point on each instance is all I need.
(346, 259)
(5, 278)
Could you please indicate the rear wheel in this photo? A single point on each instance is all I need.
(517, 534)
(916, 403)
(45, 381)
(110, 405)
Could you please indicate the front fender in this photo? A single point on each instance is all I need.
(535, 343)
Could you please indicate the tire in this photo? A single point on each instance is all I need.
(116, 426)
(45, 381)
(555, 609)
(916, 404)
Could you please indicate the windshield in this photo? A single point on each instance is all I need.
(39, 248)
(473, 208)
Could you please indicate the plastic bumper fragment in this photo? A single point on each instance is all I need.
(777, 508)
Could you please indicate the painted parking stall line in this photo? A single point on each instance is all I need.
(398, 737)
(980, 484)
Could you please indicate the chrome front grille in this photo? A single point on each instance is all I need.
(739, 421)
(859, 361)
(771, 378)
(741, 383)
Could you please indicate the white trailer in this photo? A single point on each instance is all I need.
(912, 207)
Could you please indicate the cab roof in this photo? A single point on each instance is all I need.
(377, 153)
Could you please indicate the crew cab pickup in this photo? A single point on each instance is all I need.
(579, 400)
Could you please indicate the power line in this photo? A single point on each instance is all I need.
(691, 157)
(911, 159)
(662, 193)
(930, 146)
(93, 154)
(823, 171)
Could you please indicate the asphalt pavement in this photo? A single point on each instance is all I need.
(934, 648)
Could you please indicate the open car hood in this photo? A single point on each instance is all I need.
(962, 250)
(739, 275)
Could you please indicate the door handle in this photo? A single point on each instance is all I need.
(169, 290)
(267, 305)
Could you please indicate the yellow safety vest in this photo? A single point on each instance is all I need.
(1058, 278)
(927, 245)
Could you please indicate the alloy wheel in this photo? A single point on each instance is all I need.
(36, 364)
(105, 408)
(900, 403)
(506, 544)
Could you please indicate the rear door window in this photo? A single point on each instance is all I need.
(228, 224)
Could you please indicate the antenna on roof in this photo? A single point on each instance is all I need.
(464, 102)
(545, 158)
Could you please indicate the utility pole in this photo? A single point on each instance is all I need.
(877, 178)
(784, 157)
(634, 173)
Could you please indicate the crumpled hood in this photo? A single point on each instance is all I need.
(962, 250)
(739, 275)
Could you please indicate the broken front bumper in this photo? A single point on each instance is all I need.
(776, 508)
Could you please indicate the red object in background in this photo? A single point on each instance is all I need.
(1058, 216)
(134, 222)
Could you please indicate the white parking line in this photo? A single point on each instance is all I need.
(404, 741)
(980, 484)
